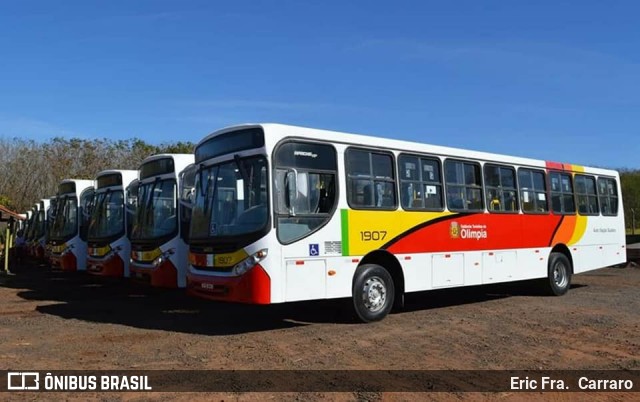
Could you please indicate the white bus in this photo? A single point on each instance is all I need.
(187, 189)
(25, 224)
(107, 242)
(41, 229)
(51, 217)
(158, 249)
(287, 213)
(68, 238)
(30, 232)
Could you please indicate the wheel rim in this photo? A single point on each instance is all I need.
(374, 294)
(560, 277)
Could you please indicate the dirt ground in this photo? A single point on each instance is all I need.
(57, 321)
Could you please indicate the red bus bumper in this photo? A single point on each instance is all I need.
(113, 266)
(163, 276)
(68, 261)
(54, 261)
(39, 252)
(253, 287)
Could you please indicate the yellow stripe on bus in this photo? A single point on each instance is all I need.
(59, 249)
(145, 256)
(99, 251)
(217, 260)
(370, 230)
(579, 229)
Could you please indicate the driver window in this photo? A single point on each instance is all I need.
(305, 188)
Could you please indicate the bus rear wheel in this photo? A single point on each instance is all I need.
(559, 274)
(373, 293)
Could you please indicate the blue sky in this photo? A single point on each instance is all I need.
(556, 80)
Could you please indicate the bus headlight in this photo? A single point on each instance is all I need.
(112, 253)
(249, 262)
(67, 250)
(163, 257)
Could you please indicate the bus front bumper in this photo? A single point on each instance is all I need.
(254, 287)
(164, 275)
(113, 266)
(65, 261)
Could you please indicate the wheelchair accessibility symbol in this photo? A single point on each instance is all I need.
(314, 250)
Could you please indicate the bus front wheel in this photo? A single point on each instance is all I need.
(559, 274)
(373, 293)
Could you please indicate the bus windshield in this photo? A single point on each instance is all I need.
(52, 211)
(107, 219)
(155, 216)
(65, 224)
(30, 226)
(231, 199)
(40, 220)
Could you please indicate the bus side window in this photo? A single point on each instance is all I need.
(500, 184)
(586, 195)
(562, 199)
(454, 199)
(327, 194)
(608, 196)
(367, 196)
(464, 185)
(420, 183)
(533, 191)
(370, 179)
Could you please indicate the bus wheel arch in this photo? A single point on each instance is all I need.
(559, 271)
(392, 265)
(378, 275)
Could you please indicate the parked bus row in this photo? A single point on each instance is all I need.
(123, 223)
(272, 213)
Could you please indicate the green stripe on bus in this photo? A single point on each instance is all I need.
(344, 214)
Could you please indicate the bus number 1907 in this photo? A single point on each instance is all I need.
(373, 235)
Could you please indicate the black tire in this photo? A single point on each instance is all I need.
(373, 293)
(558, 274)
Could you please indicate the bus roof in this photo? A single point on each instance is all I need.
(276, 132)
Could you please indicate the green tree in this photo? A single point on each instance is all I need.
(31, 170)
(630, 183)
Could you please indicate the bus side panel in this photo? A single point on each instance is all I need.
(531, 263)
(600, 244)
(180, 259)
(417, 271)
(312, 267)
(586, 258)
(80, 251)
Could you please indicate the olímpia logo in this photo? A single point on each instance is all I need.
(475, 231)
(454, 230)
